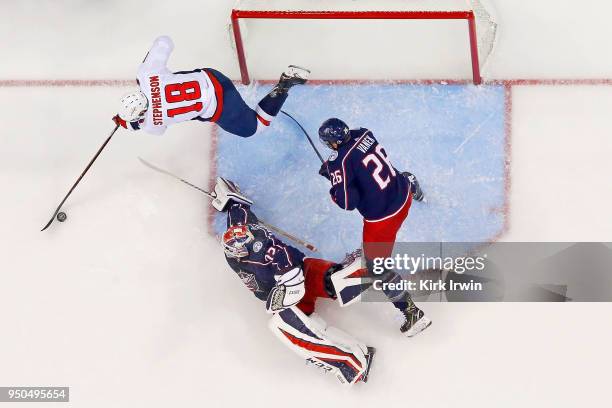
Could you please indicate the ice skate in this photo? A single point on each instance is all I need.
(294, 75)
(370, 358)
(417, 193)
(415, 322)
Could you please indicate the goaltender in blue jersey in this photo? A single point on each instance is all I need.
(290, 284)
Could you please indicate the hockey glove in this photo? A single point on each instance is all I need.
(289, 290)
(118, 121)
(324, 171)
(227, 191)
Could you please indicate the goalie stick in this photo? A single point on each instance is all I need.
(212, 196)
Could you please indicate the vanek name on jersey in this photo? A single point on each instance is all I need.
(365, 144)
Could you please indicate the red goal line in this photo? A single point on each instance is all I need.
(353, 15)
(52, 83)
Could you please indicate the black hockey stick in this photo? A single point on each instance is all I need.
(307, 136)
(80, 177)
(211, 195)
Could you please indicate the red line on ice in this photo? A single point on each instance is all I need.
(506, 83)
(33, 83)
(212, 176)
(505, 210)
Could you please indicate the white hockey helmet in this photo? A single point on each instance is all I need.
(235, 239)
(133, 106)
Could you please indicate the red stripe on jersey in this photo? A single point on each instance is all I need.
(218, 95)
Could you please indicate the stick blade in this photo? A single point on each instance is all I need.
(48, 224)
(52, 219)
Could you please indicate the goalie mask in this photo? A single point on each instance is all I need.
(235, 240)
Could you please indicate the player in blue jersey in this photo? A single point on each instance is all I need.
(363, 178)
(204, 94)
(289, 283)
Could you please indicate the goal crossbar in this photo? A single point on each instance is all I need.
(467, 15)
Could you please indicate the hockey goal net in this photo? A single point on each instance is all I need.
(364, 39)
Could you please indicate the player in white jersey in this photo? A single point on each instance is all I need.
(203, 94)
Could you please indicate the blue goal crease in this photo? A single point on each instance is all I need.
(450, 136)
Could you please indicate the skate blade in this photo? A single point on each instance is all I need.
(369, 359)
(422, 200)
(297, 71)
(423, 323)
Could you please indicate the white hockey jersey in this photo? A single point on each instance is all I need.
(174, 97)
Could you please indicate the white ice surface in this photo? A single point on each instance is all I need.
(561, 150)
(130, 303)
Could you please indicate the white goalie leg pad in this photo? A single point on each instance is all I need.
(350, 283)
(325, 347)
(338, 336)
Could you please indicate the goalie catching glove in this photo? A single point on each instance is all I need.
(289, 290)
(227, 191)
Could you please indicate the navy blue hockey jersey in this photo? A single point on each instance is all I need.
(268, 256)
(362, 177)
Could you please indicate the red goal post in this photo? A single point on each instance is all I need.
(309, 14)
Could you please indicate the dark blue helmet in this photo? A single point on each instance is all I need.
(334, 131)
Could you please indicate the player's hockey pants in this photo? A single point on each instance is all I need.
(378, 241)
(314, 281)
(236, 116)
(379, 236)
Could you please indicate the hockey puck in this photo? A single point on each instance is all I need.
(61, 216)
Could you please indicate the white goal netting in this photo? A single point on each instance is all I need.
(428, 48)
